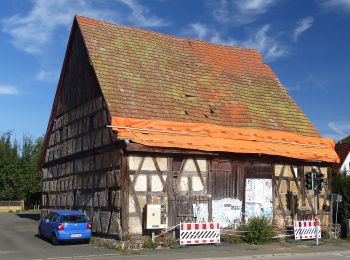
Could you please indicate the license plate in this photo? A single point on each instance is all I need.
(75, 235)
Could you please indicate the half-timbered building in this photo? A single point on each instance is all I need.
(204, 129)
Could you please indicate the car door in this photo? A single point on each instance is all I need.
(52, 224)
(44, 225)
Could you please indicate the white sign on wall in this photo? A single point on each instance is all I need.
(227, 211)
(258, 198)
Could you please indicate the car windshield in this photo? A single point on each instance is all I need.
(74, 219)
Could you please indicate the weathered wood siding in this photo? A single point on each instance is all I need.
(82, 162)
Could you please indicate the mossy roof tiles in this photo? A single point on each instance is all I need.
(148, 75)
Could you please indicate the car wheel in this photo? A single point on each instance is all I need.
(39, 233)
(54, 240)
(87, 241)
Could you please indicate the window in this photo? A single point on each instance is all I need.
(74, 219)
(54, 218)
(48, 217)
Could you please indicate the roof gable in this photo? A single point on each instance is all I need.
(149, 75)
(343, 150)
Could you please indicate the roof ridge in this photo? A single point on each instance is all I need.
(189, 39)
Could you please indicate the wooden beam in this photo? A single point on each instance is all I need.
(137, 173)
(199, 173)
(125, 183)
(277, 194)
(134, 147)
(159, 172)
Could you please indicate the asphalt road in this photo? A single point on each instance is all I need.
(18, 240)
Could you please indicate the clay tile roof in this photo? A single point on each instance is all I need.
(148, 75)
(342, 150)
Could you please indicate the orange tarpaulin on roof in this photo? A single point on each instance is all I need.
(210, 137)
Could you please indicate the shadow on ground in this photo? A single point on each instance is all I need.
(32, 216)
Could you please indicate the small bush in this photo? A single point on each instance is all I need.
(231, 238)
(258, 231)
(149, 243)
(165, 241)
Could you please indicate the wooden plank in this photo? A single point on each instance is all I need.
(170, 191)
(134, 147)
(137, 203)
(210, 191)
(276, 188)
(199, 173)
(280, 177)
(137, 173)
(159, 172)
(125, 183)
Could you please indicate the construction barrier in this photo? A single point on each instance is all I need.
(306, 229)
(199, 233)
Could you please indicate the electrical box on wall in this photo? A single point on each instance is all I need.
(155, 216)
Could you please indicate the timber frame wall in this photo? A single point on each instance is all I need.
(181, 180)
(81, 168)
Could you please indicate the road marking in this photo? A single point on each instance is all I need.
(337, 254)
(6, 252)
(76, 257)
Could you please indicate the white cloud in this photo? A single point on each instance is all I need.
(341, 129)
(310, 83)
(47, 75)
(302, 25)
(268, 45)
(33, 31)
(141, 15)
(199, 30)
(240, 11)
(341, 5)
(8, 90)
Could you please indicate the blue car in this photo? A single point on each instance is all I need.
(64, 225)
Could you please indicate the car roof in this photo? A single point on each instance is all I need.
(69, 212)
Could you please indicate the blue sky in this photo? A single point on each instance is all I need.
(307, 44)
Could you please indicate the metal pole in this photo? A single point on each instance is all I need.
(331, 209)
(336, 214)
(315, 204)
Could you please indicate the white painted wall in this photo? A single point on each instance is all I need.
(346, 165)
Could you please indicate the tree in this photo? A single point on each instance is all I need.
(19, 174)
(341, 185)
(9, 168)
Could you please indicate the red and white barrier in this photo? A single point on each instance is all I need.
(306, 229)
(199, 233)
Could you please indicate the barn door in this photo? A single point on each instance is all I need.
(190, 200)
